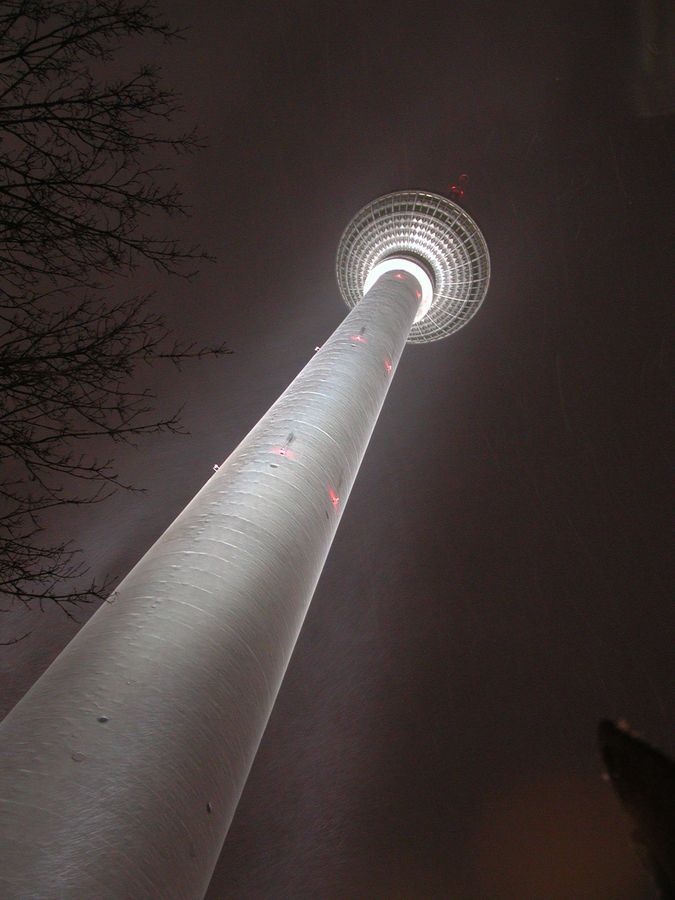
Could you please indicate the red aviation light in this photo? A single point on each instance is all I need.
(388, 365)
(458, 188)
(334, 499)
(359, 339)
(283, 451)
(401, 276)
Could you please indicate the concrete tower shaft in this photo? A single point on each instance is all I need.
(122, 767)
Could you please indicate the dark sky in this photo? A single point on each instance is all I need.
(499, 581)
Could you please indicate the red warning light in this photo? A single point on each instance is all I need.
(359, 339)
(400, 276)
(458, 189)
(283, 451)
(334, 499)
(418, 294)
(387, 365)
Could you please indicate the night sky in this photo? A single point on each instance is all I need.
(499, 582)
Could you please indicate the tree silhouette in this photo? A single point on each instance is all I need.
(82, 190)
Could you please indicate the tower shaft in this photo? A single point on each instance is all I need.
(121, 769)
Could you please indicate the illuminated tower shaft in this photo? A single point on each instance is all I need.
(121, 768)
(123, 765)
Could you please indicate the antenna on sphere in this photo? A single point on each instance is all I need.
(124, 763)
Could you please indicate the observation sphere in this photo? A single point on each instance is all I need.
(428, 228)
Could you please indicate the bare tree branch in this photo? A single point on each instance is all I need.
(78, 190)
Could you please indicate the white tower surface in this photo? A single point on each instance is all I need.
(121, 768)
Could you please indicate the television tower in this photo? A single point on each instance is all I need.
(121, 768)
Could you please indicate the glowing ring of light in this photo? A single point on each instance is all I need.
(395, 264)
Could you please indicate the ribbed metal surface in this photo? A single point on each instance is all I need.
(122, 767)
(432, 228)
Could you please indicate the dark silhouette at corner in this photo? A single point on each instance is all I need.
(644, 781)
